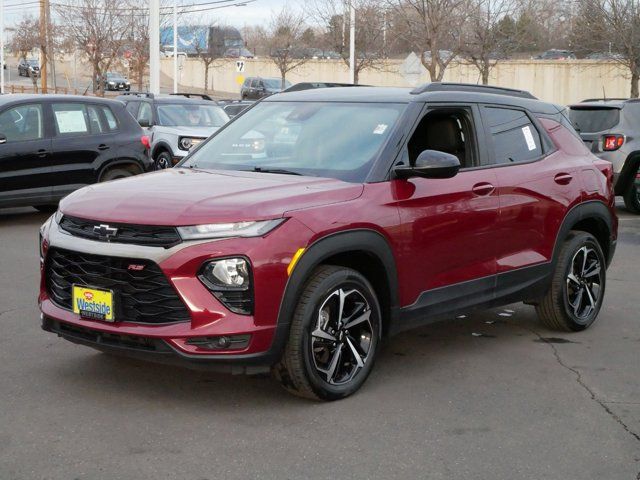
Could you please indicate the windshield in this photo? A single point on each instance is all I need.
(598, 119)
(335, 140)
(275, 83)
(32, 62)
(191, 115)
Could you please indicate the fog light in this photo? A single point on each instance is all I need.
(225, 342)
(229, 279)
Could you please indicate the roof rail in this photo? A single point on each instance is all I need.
(139, 94)
(470, 87)
(203, 96)
(608, 99)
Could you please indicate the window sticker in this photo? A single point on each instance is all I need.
(531, 144)
(71, 121)
(380, 129)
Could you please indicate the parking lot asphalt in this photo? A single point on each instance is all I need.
(491, 396)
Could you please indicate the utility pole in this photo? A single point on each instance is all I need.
(1, 46)
(43, 46)
(154, 46)
(175, 46)
(352, 42)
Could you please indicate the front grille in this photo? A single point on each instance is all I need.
(150, 235)
(140, 295)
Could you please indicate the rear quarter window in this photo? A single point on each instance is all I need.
(598, 119)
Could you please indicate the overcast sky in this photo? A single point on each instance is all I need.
(255, 13)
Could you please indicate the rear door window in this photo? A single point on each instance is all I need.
(22, 123)
(514, 136)
(71, 119)
(590, 120)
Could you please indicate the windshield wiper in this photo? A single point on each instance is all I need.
(275, 170)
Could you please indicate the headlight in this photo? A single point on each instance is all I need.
(226, 230)
(112, 83)
(229, 279)
(186, 143)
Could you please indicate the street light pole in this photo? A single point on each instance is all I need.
(352, 42)
(175, 46)
(154, 46)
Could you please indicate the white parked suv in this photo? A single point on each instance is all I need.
(175, 123)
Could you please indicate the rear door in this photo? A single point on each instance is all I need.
(24, 156)
(80, 140)
(536, 185)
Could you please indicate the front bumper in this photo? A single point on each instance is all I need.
(168, 342)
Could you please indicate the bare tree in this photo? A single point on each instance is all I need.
(485, 43)
(612, 25)
(369, 31)
(433, 28)
(25, 39)
(98, 30)
(285, 34)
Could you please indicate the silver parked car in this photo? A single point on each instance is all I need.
(610, 128)
(175, 123)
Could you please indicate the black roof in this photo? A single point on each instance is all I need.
(440, 93)
(20, 97)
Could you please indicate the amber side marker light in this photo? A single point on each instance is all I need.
(294, 260)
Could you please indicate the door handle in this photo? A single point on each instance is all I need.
(42, 153)
(103, 146)
(563, 178)
(483, 189)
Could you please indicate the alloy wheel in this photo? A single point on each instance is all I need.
(342, 336)
(584, 283)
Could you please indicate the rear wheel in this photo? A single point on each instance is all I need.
(116, 173)
(577, 288)
(632, 196)
(164, 160)
(334, 336)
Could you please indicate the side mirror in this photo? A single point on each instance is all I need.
(430, 164)
(144, 123)
(3, 138)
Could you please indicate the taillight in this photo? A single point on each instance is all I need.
(612, 142)
(145, 141)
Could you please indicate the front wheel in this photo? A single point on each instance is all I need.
(334, 336)
(577, 287)
(163, 161)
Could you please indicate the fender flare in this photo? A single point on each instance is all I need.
(593, 209)
(631, 164)
(161, 145)
(362, 240)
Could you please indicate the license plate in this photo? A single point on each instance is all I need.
(93, 303)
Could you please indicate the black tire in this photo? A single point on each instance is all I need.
(564, 307)
(46, 208)
(632, 198)
(116, 173)
(163, 160)
(306, 353)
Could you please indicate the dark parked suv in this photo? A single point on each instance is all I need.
(255, 88)
(289, 242)
(610, 128)
(51, 145)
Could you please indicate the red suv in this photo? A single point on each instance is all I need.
(318, 222)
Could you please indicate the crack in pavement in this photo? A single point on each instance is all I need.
(586, 387)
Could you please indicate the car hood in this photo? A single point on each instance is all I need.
(184, 196)
(203, 132)
(117, 79)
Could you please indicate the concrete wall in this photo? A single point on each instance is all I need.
(555, 81)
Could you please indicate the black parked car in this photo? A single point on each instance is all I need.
(255, 88)
(234, 108)
(51, 145)
(28, 68)
(115, 81)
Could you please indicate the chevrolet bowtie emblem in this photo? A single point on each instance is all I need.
(105, 232)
